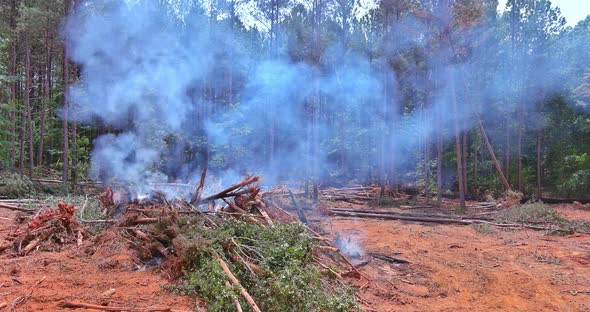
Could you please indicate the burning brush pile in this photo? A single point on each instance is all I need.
(237, 249)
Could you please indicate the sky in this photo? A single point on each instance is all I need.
(573, 10)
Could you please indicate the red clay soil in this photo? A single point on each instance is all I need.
(452, 268)
(456, 268)
(85, 274)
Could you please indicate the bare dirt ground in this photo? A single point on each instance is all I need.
(85, 274)
(452, 268)
(456, 268)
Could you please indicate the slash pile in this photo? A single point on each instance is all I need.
(46, 227)
(237, 247)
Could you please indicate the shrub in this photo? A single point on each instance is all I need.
(14, 185)
(287, 281)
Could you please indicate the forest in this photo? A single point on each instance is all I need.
(319, 107)
(329, 92)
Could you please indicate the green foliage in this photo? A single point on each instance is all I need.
(574, 176)
(484, 229)
(288, 281)
(14, 185)
(537, 213)
(534, 213)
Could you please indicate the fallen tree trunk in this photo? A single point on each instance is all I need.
(15, 208)
(389, 258)
(400, 217)
(446, 221)
(389, 213)
(82, 305)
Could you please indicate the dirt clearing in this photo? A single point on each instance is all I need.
(457, 268)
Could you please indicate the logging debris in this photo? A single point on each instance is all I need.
(47, 227)
(173, 233)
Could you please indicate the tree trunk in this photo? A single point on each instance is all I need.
(46, 97)
(12, 72)
(492, 154)
(539, 149)
(66, 138)
(457, 141)
(464, 158)
(23, 130)
(539, 145)
(427, 143)
(28, 100)
(519, 147)
(507, 155)
(475, 169)
(27, 95)
(75, 139)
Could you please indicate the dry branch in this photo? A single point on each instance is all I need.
(227, 192)
(15, 208)
(236, 282)
(389, 258)
(234, 299)
(82, 305)
(197, 196)
(393, 216)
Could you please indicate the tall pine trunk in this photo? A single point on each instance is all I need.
(458, 149)
(28, 100)
(439, 155)
(519, 146)
(46, 97)
(507, 152)
(12, 72)
(66, 69)
(539, 148)
(23, 130)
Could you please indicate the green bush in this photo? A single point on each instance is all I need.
(539, 214)
(288, 280)
(14, 185)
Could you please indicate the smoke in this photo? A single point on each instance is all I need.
(171, 83)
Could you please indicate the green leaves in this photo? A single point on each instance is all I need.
(288, 280)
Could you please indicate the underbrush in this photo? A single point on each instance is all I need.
(484, 229)
(539, 214)
(14, 185)
(384, 202)
(279, 275)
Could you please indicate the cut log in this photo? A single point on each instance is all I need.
(82, 305)
(444, 220)
(389, 258)
(400, 217)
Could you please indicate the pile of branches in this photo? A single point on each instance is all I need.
(160, 229)
(46, 227)
(355, 195)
